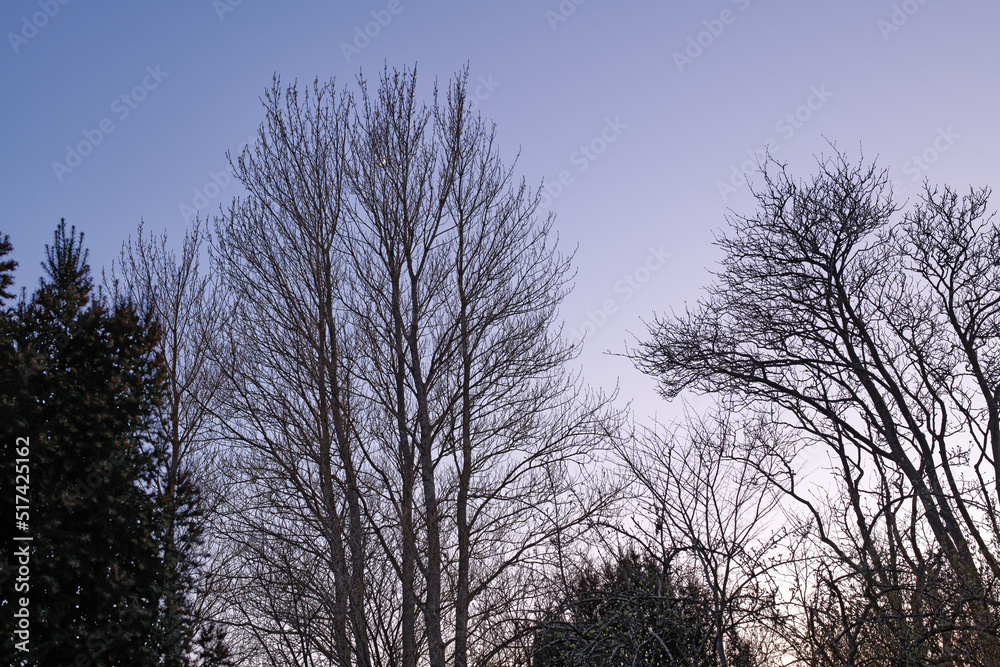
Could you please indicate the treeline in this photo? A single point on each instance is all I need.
(354, 440)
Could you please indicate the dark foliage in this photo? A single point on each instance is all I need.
(81, 379)
(632, 611)
(7, 267)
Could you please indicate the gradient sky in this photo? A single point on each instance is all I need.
(670, 97)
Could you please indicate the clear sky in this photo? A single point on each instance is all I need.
(114, 112)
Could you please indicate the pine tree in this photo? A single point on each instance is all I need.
(7, 267)
(81, 379)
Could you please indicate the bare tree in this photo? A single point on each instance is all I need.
(457, 278)
(714, 514)
(286, 355)
(395, 384)
(877, 339)
(184, 303)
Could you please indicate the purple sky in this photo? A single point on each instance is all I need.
(645, 110)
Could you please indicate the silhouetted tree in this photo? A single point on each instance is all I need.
(634, 610)
(7, 267)
(396, 389)
(713, 513)
(93, 382)
(878, 339)
(184, 305)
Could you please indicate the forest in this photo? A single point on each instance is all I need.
(338, 424)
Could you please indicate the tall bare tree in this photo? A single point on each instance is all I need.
(876, 338)
(184, 303)
(395, 383)
(465, 284)
(287, 356)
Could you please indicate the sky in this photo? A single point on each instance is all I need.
(641, 117)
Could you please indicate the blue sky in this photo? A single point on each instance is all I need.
(639, 115)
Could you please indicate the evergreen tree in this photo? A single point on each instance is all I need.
(7, 267)
(81, 379)
(179, 507)
(632, 611)
(211, 647)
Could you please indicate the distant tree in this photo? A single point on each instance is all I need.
(94, 380)
(633, 610)
(211, 646)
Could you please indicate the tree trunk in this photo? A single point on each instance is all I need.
(465, 472)
(407, 479)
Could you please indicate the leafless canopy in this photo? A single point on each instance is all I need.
(878, 338)
(407, 450)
